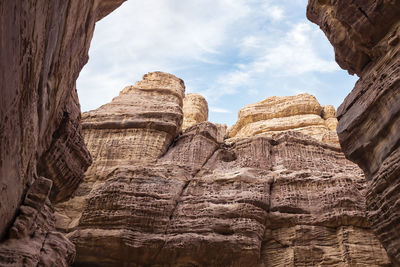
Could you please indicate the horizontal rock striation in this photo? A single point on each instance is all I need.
(301, 113)
(366, 38)
(67, 158)
(44, 46)
(195, 110)
(283, 200)
(137, 126)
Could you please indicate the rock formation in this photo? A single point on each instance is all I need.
(157, 197)
(137, 126)
(44, 46)
(301, 113)
(287, 199)
(366, 38)
(195, 109)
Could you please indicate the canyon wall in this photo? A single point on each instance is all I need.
(157, 196)
(366, 38)
(43, 47)
(274, 194)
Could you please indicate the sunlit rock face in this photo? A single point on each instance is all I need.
(195, 110)
(300, 113)
(137, 126)
(283, 200)
(44, 46)
(366, 38)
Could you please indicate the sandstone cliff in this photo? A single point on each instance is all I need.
(366, 38)
(196, 200)
(195, 109)
(301, 113)
(191, 199)
(44, 46)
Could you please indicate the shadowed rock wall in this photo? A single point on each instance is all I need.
(43, 47)
(366, 38)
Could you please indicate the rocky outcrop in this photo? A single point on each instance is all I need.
(366, 38)
(137, 126)
(33, 240)
(287, 199)
(195, 110)
(45, 46)
(300, 113)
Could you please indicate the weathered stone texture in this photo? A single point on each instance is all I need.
(356, 29)
(195, 110)
(32, 239)
(284, 200)
(301, 113)
(43, 47)
(137, 126)
(67, 159)
(366, 38)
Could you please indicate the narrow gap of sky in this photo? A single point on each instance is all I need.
(233, 52)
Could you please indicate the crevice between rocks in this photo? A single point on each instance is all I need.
(178, 200)
(271, 185)
(42, 249)
(365, 15)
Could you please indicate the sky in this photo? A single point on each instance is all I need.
(233, 52)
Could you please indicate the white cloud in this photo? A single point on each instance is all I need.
(219, 110)
(274, 12)
(290, 55)
(143, 36)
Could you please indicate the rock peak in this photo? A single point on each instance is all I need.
(300, 113)
(195, 110)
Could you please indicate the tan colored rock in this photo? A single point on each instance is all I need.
(329, 115)
(301, 113)
(137, 126)
(195, 110)
(222, 130)
(366, 38)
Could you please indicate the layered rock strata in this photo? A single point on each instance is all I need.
(301, 113)
(137, 126)
(44, 46)
(366, 38)
(195, 110)
(284, 200)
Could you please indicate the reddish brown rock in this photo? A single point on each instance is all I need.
(366, 38)
(32, 239)
(44, 46)
(67, 158)
(282, 200)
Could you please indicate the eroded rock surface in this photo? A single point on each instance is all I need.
(280, 200)
(44, 45)
(195, 110)
(32, 239)
(366, 38)
(300, 113)
(137, 126)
